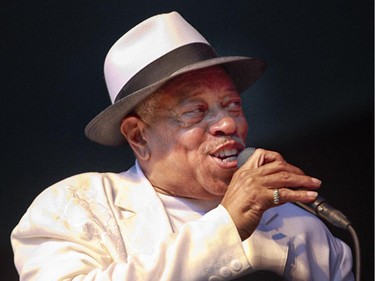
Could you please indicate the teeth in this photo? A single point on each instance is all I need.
(233, 158)
(226, 153)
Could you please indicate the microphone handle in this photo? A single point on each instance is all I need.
(322, 209)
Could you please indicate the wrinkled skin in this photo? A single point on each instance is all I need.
(190, 145)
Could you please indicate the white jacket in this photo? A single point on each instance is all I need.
(108, 226)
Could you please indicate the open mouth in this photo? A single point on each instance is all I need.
(227, 155)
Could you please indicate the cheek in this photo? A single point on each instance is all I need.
(242, 127)
(166, 140)
(193, 138)
(159, 140)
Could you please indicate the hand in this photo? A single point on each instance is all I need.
(250, 192)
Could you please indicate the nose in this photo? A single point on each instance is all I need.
(223, 125)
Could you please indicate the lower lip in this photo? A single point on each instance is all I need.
(225, 164)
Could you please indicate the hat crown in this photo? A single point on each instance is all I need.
(143, 44)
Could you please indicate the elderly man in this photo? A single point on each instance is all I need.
(184, 211)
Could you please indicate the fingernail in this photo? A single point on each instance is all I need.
(316, 180)
(312, 194)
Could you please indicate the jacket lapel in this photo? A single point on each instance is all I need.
(144, 221)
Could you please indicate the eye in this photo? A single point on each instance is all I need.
(193, 115)
(195, 112)
(234, 105)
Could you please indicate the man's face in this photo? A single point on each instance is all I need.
(196, 134)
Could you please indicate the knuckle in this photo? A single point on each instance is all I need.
(282, 165)
(243, 175)
(246, 177)
(278, 154)
(284, 176)
(284, 195)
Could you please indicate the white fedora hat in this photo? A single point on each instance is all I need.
(150, 54)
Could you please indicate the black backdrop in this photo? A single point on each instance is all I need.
(314, 104)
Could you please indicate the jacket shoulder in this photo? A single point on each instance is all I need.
(70, 204)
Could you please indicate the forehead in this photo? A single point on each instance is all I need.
(193, 83)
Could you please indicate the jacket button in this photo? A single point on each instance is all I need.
(236, 265)
(225, 272)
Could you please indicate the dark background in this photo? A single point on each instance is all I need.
(314, 104)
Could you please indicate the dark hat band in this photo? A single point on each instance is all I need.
(166, 66)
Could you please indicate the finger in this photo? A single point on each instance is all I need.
(279, 167)
(272, 156)
(261, 157)
(290, 180)
(283, 195)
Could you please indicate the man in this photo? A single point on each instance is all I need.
(184, 211)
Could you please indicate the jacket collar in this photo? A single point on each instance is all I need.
(142, 213)
(136, 194)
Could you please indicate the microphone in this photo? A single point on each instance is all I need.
(319, 207)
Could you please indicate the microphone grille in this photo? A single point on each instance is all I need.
(244, 155)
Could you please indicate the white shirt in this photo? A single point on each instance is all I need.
(183, 210)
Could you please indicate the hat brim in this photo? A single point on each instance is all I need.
(105, 127)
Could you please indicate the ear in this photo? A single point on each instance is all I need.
(132, 128)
